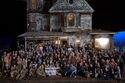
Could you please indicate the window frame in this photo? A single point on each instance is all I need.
(34, 4)
(74, 23)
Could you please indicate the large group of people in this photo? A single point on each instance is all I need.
(63, 61)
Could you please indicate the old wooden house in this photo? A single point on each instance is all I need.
(59, 21)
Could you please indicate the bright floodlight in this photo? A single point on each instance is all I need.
(102, 42)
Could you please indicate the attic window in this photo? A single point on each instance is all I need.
(71, 1)
(71, 19)
(34, 4)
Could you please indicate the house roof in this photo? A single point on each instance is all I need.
(100, 31)
(42, 34)
(77, 6)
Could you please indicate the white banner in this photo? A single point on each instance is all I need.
(51, 71)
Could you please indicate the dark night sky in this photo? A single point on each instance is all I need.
(108, 15)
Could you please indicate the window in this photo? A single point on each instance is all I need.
(71, 1)
(71, 19)
(33, 18)
(34, 4)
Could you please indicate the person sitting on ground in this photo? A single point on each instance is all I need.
(67, 70)
(13, 72)
(73, 70)
(41, 70)
(58, 69)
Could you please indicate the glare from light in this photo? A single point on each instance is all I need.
(77, 41)
(63, 37)
(70, 17)
(102, 42)
(57, 42)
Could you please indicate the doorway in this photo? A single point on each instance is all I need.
(64, 42)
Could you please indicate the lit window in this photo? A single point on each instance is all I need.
(71, 20)
(34, 3)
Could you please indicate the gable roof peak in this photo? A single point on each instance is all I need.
(71, 5)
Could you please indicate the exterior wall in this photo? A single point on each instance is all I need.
(65, 19)
(31, 20)
(35, 5)
(37, 17)
(77, 19)
(86, 21)
(55, 24)
(72, 40)
(38, 21)
(79, 39)
(85, 40)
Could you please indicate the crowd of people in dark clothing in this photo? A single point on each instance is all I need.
(69, 60)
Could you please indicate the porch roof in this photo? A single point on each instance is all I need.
(42, 34)
(100, 31)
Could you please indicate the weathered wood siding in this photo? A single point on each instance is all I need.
(55, 22)
(40, 21)
(86, 21)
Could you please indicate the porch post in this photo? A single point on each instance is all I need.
(111, 42)
(25, 43)
(18, 44)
